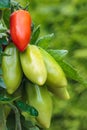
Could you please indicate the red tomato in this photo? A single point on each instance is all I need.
(20, 28)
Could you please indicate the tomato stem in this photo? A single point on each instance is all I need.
(17, 117)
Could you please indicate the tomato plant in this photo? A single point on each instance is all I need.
(32, 73)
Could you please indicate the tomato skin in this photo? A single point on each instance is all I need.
(11, 68)
(20, 28)
(55, 75)
(33, 65)
(40, 98)
(61, 93)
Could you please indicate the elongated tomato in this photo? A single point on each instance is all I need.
(20, 28)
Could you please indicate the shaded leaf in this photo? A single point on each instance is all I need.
(72, 73)
(4, 54)
(1, 81)
(35, 35)
(4, 4)
(0, 14)
(5, 100)
(23, 2)
(69, 70)
(59, 53)
(3, 40)
(6, 17)
(2, 31)
(2, 28)
(44, 41)
(25, 107)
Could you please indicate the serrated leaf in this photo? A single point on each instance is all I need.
(35, 35)
(44, 41)
(58, 53)
(27, 108)
(4, 4)
(69, 70)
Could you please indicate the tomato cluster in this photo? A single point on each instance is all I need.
(43, 74)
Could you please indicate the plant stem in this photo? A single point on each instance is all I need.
(2, 118)
(17, 117)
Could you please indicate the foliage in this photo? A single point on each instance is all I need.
(64, 27)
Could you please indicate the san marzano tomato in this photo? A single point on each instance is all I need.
(20, 28)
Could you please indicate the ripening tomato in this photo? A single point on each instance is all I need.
(20, 28)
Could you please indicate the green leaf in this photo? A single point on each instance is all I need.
(2, 27)
(4, 54)
(44, 41)
(6, 17)
(23, 2)
(69, 70)
(72, 73)
(4, 4)
(0, 71)
(35, 35)
(25, 107)
(58, 53)
(3, 30)
(2, 35)
(2, 82)
(5, 100)
(3, 41)
(0, 14)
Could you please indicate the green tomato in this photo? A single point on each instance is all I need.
(61, 93)
(11, 68)
(55, 75)
(40, 98)
(33, 65)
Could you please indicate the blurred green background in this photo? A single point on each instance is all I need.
(67, 19)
